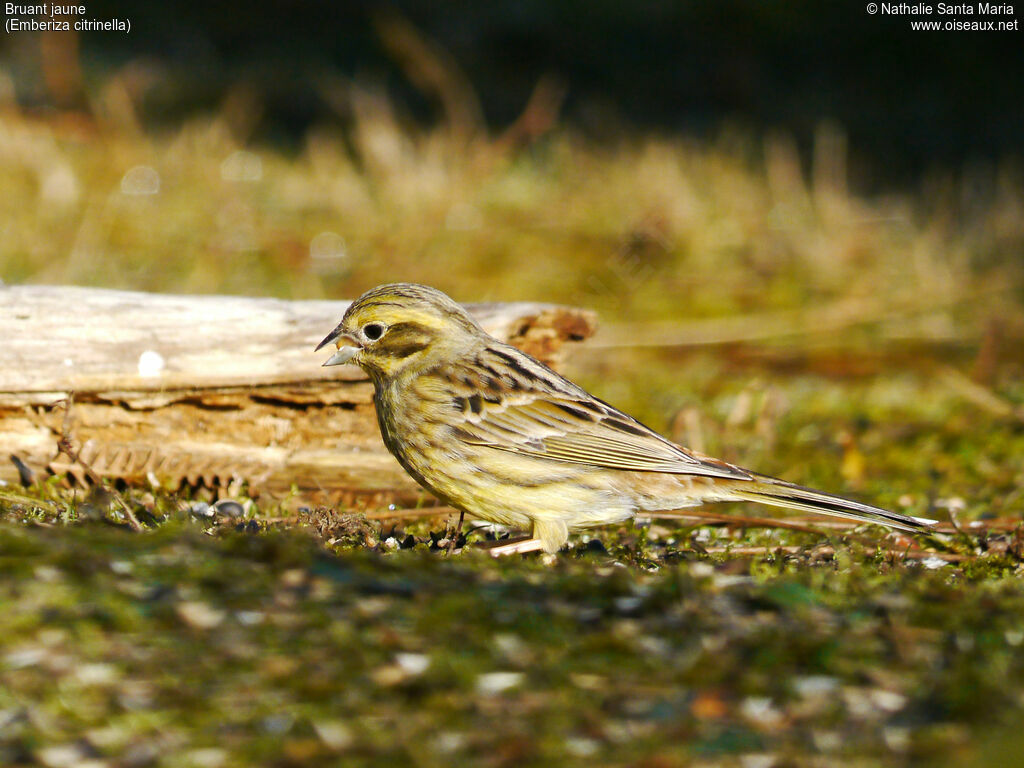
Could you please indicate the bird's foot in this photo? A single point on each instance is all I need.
(454, 538)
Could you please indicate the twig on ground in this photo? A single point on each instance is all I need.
(918, 554)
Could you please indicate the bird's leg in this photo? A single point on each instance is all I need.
(453, 540)
(520, 547)
(548, 535)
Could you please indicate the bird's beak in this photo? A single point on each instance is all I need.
(347, 346)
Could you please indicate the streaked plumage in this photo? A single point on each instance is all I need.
(492, 431)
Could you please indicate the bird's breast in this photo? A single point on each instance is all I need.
(412, 429)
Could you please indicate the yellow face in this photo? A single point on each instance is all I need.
(392, 327)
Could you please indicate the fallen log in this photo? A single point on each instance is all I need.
(209, 391)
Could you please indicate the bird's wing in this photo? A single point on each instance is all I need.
(546, 416)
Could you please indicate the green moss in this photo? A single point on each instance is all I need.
(268, 646)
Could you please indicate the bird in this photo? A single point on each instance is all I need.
(498, 435)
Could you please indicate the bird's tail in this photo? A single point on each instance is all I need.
(768, 490)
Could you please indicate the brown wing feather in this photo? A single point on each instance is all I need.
(538, 413)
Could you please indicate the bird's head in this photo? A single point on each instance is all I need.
(394, 326)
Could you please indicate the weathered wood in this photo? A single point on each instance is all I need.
(209, 390)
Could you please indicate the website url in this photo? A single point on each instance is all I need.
(966, 26)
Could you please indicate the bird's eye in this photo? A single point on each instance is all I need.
(373, 331)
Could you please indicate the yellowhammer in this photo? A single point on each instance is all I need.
(497, 434)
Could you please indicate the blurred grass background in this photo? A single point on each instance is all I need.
(718, 269)
(795, 269)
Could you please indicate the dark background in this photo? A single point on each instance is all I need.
(909, 101)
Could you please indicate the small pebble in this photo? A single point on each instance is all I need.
(201, 509)
(335, 734)
(897, 739)
(890, 701)
(761, 711)
(199, 615)
(211, 757)
(627, 603)
(109, 737)
(278, 724)
(827, 741)
(496, 682)
(757, 760)
(24, 657)
(413, 663)
(249, 618)
(229, 508)
(813, 686)
(582, 747)
(449, 741)
(47, 573)
(96, 674)
(62, 756)
(140, 755)
(389, 675)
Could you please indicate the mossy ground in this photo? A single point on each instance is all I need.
(236, 644)
(333, 640)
